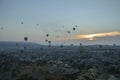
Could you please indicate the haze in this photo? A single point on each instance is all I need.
(95, 21)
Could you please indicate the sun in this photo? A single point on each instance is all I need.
(91, 37)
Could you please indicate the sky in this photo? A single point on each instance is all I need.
(95, 21)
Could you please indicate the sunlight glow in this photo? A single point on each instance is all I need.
(93, 36)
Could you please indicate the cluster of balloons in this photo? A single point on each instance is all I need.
(74, 28)
(47, 35)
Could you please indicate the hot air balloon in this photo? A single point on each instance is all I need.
(68, 32)
(76, 26)
(49, 42)
(47, 35)
(24, 47)
(22, 22)
(61, 46)
(80, 44)
(46, 40)
(25, 38)
(74, 29)
(49, 45)
(2, 28)
(37, 24)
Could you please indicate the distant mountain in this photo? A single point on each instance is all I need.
(6, 44)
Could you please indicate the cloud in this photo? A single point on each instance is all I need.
(96, 35)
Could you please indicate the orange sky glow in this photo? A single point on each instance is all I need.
(96, 35)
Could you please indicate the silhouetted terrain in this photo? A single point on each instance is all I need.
(31, 61)
(9, 44)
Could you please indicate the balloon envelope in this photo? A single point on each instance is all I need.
(61, 46)
(25, 38)
(22, 22)
(49, 45)
(49, 42)
(46, 40)
(47, 35)
(68, 32)
(73, 28)
(76, 26)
